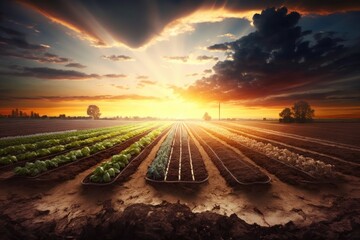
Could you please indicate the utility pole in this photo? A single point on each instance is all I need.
(219, 111)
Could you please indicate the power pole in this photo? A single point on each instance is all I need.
(219, 111)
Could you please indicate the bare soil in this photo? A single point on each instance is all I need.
(177, 221)
(239, 169)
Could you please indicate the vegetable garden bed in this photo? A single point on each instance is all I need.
(315, 170)
(345, 167)
(235, 170)
(284, 172)
(54, 147)
(70, 170)
(351, 155)
(124, 164)
(33, 170)
(178, 160)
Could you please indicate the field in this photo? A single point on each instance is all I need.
(167, 180)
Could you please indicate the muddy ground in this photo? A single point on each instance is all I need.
(134, 209)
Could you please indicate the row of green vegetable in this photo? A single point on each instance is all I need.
(109, 170)
(58, 140)
(28, 155)
(39, 166)
(157, 168)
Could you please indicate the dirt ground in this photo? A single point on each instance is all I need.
(138, 210)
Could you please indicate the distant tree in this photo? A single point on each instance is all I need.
(302, 112)
(286, 115)
(206, 117)
(93, 111)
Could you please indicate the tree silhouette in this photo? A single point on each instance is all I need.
(286, 115)
(303, 112)
(206, 117)
(93, 111)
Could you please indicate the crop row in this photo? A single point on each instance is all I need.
(158, 167)
(64, 140)
(27, 155)
(43, 137)
(33, 169)
(109, 170)
(313, 167)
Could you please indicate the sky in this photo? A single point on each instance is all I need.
(179, 59)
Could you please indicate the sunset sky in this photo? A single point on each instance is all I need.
(178, 59)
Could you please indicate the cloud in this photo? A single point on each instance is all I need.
(142, 77)
(190, 59)
(13, 43)
(138, 22)
(148, 82)
(48, 73)
(10, 38)
(219, 47)
(42, 57)
(82, 98)
(181, 59)
(206, 71)
(54, 74)
(120, 87)
(227, 35)
(117, 58)
(143, 83)
(192, 75)
(75, 65)
(207, 58)
(278, 58)
(11, 32)
(115, 75)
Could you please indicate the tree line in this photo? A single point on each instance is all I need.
(301, 112)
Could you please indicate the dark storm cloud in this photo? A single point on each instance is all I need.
(75, 65)
(117, 58)
(134, 23)
(278, 58)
